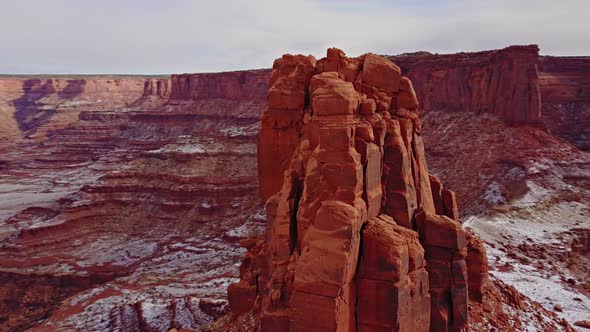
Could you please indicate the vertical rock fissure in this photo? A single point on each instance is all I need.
(356, 278)
(451, 283)
(294, 199)
(416, 179)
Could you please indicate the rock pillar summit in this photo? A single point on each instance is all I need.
(359, 237)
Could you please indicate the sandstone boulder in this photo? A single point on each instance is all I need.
(406, 97)
(333, 96)
(381, 73)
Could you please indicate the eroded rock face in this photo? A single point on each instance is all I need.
(132, 214)
(359, 236)
(280, 127)
(35, 108)
(392, 281)
(238, 85)
(157, 87)
(502, 82)
(565, 92)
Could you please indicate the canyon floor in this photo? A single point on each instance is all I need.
(128, 216)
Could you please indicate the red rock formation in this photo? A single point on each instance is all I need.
(477, 267)
(279, 134)
(353, 240)
(565, 93)
(155, 198)
(157, 87)
(502, 82)
(237, 85)
(35, 108)
(156, 92)
(392, 282)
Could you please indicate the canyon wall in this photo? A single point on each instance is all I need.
(502, 82)
(157, 87)
(35, 107)
(238, 85)
(565, 93)
(514, 83)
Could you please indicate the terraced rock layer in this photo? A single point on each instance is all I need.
(129, 219)
(32, 107)
(565, 91)
(501, 82)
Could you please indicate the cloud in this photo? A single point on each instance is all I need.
(150, 36)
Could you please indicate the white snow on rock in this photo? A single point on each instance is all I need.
(537, 218)
(493, 194)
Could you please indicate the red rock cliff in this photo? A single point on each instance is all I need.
(503, 82)
(36, 107)
(564, 79)
(238, 85)
(565, 92)
(157, 87)
(359, 236)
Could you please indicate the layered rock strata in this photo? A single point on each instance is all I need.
(359, 236)
(35, 108)
(129, 219)
(502, 82)
(237, 85)
(565, 92)
(157, 87)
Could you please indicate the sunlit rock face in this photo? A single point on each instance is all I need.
(359, 236)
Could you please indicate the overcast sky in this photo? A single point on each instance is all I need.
(175, 36)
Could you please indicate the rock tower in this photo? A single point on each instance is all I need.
(359, 237)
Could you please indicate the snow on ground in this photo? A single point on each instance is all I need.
(543, 287)
(198, 145)
(493, 194)
(15, 198)
(535, 219)
(541, 225)
(233, 131)
(246, 230)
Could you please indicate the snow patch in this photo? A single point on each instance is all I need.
(493, 194)
(544, 288)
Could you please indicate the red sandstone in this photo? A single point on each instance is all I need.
(503, 82)
(353, 172)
